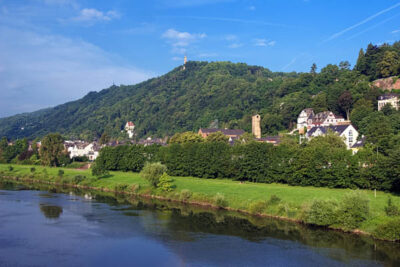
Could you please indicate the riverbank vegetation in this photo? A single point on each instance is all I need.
(335, 208)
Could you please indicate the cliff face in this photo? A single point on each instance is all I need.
(389, 84)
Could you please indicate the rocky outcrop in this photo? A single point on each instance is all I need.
(388, 84)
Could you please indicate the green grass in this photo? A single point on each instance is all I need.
(238, 195)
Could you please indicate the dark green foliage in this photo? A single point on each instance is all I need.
(389, 230)
(10, 168)
(52, 150)
(60, 173)
(353, 210)
(123, 158)
(79, 178)
(185, 195)
(99, 169)
(120, 188)
(152, 172)
(33, 169)
(273, 200)
(391, 209)
(322, 212)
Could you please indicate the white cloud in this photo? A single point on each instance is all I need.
(263, 42)
(230, 37)
(207, 55)
(190, 3)
(182, 39)
(395, 31)
(252, 8)
(93, 15)
(38, 71)
(235, 45)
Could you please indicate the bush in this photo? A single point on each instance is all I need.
(10, 168)
(273, 200)
(120, 187)
(389, 231)
(321, 212)
(78, 179)
(391, 209)
(60, 173)
(165, 183)
(152, 172)
(258, 207)
(185, 195)
(353, 210)
(134, 188)
(99, 170)
(33, 169)
(219, 200)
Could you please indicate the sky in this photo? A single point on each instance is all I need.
(55, 51)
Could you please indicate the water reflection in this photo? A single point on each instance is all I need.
(209, 237)
(50, 211)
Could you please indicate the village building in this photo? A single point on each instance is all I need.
(391, 99)
(275, 140)
(358, 145)
(152, 141)
(347, 132)
(231, 133)
(82, 149)
(308, 119)
(256, 126)
(130, 129)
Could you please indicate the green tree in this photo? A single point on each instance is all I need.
(99, 170)
(389, 65)
(104, 139)
(186, 137)
(345, 102)
(217, 137)
(272, 123)
(313, 69)
(52, 149)
(152, 172)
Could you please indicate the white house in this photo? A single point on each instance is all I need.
(391, 99)
(130, 128)
(347, 132)
(81, 149)
(308, 119)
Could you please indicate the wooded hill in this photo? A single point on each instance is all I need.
(185, 100)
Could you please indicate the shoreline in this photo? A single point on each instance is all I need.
(189, 203)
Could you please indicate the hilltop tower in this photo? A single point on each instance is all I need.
(184, 62)
(256, 128)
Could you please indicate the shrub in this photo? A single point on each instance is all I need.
(389, 230)
(219, 200)
(185, 195)
(165, 183)
(321, 212)
(391, 209)
(33, 169)
(353, 210)
(273, 200)
(99, 170)
(10, 168)
(258, 207)
(60, 173)
(134, 188)
(78, 179)
(152, 172)
(120, 187)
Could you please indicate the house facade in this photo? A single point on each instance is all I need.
(391, 99)
(130, 129)
(347, 132)
(308, 119)
(82, 149)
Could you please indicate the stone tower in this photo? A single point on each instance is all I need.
(256, 128)
(184, 63)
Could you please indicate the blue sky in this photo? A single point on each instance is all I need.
(54, 51)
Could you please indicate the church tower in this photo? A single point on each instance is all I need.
(256, 128)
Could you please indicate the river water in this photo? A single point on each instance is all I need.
(54, 227)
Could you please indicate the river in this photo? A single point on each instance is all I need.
(55, 227)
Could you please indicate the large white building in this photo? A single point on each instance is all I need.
(308, 119)
(130, 129)
(391, 99)
(347, 132)
(82, 149)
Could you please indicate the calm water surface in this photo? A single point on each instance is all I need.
(49, 228)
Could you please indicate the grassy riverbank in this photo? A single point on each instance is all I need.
(290, 201)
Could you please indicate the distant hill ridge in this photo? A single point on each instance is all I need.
(223, 92)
